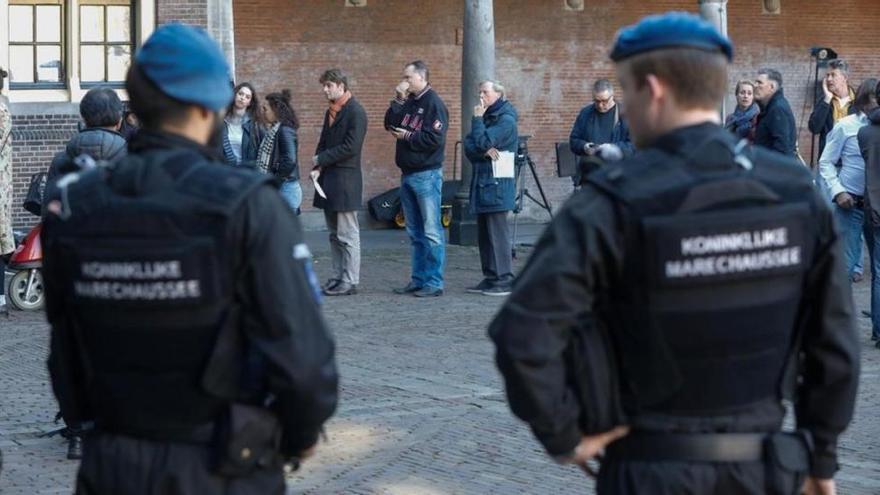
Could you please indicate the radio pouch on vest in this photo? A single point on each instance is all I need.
(246, 438)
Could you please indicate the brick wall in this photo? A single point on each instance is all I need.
(187, 11)
(35, 140)
(548, 57)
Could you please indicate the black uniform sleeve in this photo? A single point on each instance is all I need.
(554, 294)
(279, 291)
(818, 123)
(352, 142)
(830, 368)
(65, 361)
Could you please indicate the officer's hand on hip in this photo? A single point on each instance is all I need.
(844, 200)
(816, 486)
(593, 445)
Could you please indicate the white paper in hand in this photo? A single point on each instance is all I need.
(502, 168)
(314, 174)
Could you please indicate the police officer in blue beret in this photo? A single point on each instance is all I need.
(184, 314)
(677, 302)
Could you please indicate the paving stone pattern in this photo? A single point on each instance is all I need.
(422, 409)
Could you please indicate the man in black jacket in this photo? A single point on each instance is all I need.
(836, 102)
(418, 120)
(869, 144)
(101, 111)
(697, 284)
(182, 305)
(337, 165)
(776, 128)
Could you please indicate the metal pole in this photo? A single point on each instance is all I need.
(477, 64)
(715, 11)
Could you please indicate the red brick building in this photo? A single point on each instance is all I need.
(548, 53)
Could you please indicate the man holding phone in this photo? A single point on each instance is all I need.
(599, 128)
(418, 119)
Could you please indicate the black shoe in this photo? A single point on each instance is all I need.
(480, 287)
(341, 289)
(409, 289)
(428, 292)
(874, 337)
(74, 447)
(866, 314)
(857, 277)
(4, 310)
(330, 285)
(498, 290)
(877, 345)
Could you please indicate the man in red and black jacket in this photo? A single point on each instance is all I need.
(418, 119)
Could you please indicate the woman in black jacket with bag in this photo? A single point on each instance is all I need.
(277, 154)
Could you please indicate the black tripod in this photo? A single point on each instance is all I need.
(523, 158)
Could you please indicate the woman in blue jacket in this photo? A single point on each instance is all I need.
(490, 147)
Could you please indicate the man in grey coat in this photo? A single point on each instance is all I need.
(337, 167)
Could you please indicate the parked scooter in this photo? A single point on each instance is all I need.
(25, 289)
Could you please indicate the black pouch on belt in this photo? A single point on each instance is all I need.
(787, 462)
(246, 438)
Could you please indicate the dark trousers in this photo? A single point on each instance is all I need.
(673, 478)
(493, 236)
(116, 464)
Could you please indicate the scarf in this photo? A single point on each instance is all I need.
(740, 121)
(842, 110)
(265, 152)
(336, 106)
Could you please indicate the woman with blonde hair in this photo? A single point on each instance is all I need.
(743, 120)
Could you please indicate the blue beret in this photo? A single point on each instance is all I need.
(187, 65)
(670, 30)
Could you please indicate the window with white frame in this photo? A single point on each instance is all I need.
(53, 41)
(36, 43)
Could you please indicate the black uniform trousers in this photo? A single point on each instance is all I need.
(493, 236)
(116, 464)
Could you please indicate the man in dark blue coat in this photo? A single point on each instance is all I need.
(776, 127)
(599, 128)
(490, 147)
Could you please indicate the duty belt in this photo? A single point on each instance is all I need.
(686, 447)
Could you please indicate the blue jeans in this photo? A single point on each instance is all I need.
(872, 238)
(851, 225)
(420, 200)
(292, 192)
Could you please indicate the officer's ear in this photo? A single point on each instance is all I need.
(657, 89)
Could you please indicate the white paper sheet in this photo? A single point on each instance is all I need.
(502, 168)
(314, 174)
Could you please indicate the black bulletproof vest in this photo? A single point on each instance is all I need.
(706, 313)
(150, 283)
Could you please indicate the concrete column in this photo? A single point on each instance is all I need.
(477, 64)
(715, 11)
(221, 28)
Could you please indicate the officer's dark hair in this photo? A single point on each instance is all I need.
(421, 68)
(866, 97)
(603, 85)
(280, 103)
(697, 78)
(254, 109)
(773, 75)
(101, 107)
(150, 105)
(335, 76)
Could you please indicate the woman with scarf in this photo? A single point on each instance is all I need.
(743, 120)
(243, 127)
(277, 153)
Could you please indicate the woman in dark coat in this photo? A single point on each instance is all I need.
(492, 140)
(743, 120)
(277, 153)
(243, 127)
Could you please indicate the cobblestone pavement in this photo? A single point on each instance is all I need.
(422, 410)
